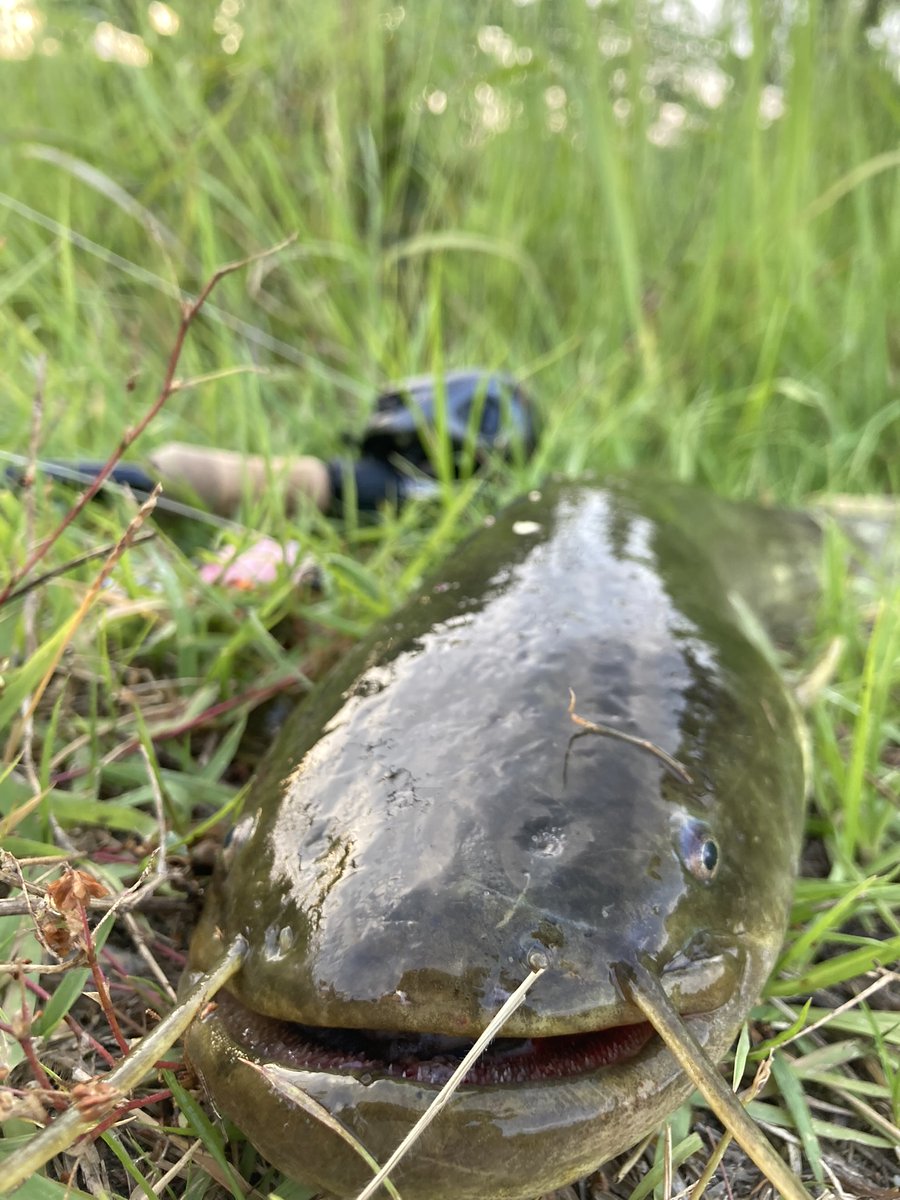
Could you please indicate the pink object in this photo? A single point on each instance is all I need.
(263, 562)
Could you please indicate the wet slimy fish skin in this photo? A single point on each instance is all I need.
(430, 818)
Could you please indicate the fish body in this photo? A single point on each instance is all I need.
(432, 821)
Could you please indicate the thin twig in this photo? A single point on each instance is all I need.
(289, 351)
(143, 950)
(12, 867)
(72, 564)
(100, 982)
(81, 612)
(159, 809)
(12, 907)
(20, 965)
(445, 1094)
(29, 615)
(22, 1034)
(175, 1171)
(760, 1079)
(667, 1162)
(882, 981)
(188, 315)
(128, 1106)
(81, 1034)
(141, 901)
(58, 1136)
(161, 874)
(644, 989)
(642, 743)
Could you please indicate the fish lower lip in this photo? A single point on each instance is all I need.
(426, 1058)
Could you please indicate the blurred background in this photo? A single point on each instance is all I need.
(678, 223)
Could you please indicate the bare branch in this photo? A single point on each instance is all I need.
(188, 316)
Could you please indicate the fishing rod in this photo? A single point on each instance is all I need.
(481, 414)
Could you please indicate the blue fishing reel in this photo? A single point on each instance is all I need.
(483, 412)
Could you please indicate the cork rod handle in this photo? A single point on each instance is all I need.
(221, 478)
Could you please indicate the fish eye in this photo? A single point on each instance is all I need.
(709, 857)
(699, 851)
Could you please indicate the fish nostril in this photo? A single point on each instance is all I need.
(541, 949)
(277, 942)
(538, 960)
(700, 947)
(544, 838)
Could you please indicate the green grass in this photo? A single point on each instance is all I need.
(722, 311)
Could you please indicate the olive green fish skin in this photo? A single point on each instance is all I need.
(427, 820)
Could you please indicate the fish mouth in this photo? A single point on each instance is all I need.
(427, 1058)
(609, 1036)
(534, 1108)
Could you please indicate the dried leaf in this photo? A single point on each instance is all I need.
(75, 888)
(60, 919)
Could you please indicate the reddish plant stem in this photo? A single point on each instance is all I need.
(100, 983)
(126, 982)
(24, 1040)
(188, 316)
(127, 1106)
(52, 1095)
(161, 950)
(254, 697)
(100, 552)
(78, 1030)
